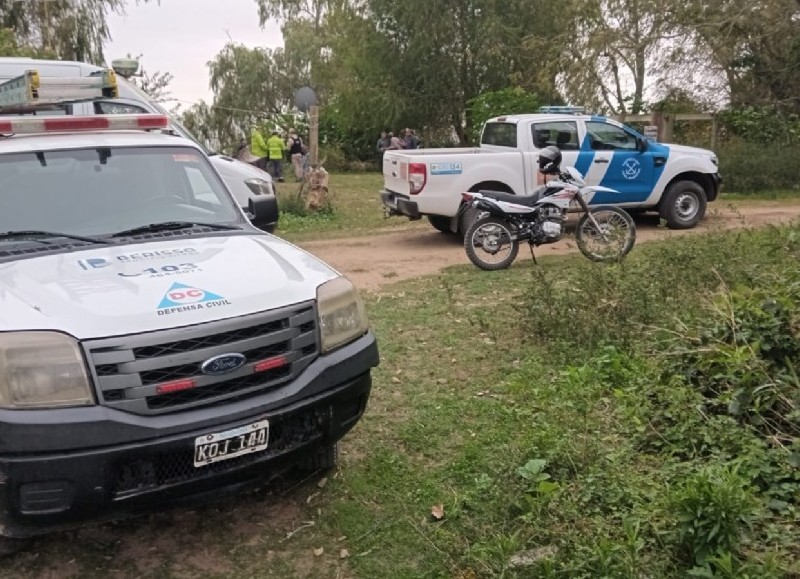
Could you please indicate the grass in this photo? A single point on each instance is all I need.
(534, 406)
(357, 210)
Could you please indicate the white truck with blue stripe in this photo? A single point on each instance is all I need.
(674, 180)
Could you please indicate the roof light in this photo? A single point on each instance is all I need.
(562, 110)
(88, 123)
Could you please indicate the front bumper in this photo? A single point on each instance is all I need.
(397, 204)
(56, 474)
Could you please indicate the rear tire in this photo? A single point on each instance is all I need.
(440, 223)
(491, 236)
(683, 205)
(615, 238)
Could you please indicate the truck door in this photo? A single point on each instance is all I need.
(562, 134)
(617, 163)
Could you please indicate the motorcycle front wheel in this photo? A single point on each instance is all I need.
(606, 233)
(489, 244)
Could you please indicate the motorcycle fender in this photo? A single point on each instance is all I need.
(490, 207)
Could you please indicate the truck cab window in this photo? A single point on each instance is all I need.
(500, 135)
(606, 137)
(562, 134)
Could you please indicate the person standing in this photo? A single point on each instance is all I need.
(410, 140)
(275, 152)
(258, 148)
(384, 142)
(296, 153)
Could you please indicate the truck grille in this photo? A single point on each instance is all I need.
(129, 370)
(174, 467)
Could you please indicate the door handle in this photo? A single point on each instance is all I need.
(601, 160)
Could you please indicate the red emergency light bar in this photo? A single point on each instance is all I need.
(89, 123)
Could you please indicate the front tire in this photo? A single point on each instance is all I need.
(489, 244)
(683, 205)
(606, 233)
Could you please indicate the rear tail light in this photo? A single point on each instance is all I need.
(417, 177)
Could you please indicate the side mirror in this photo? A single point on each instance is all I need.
(263, 212)
(641, 144)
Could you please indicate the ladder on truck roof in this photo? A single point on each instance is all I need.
(29, 92)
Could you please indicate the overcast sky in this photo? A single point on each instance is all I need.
(181, 36)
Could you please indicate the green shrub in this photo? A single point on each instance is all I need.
(713, 509)
(752, 167)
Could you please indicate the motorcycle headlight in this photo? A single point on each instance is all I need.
(42, 370)
(342, 317)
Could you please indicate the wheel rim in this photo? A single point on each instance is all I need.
(492, 243)
(612, 237)
(686, 206)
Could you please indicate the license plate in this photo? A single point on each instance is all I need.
(220, 446)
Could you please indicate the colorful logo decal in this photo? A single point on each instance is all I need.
(184, 298)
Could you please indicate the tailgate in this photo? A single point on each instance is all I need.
(395, 172)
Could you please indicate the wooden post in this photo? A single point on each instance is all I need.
(658, 121)
(313, 136)
(714, 131)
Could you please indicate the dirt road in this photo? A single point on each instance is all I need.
(372, 262)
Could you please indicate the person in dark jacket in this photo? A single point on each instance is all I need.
(295, 144)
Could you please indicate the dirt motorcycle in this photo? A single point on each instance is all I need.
(504, 220)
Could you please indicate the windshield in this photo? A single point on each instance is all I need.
(101, 191)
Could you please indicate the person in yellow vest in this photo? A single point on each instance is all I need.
(258, 148)
(275, 150)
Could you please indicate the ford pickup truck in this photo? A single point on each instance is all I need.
(675, 180)
(156, 347)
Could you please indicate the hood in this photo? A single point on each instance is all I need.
(110, 291)
(692, 151)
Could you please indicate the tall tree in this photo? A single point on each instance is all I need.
(755, 43)
(66, 29)
(420, 62)
(613, 48)
(252, 87)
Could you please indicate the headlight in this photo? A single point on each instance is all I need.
(42, 370)
(342, 317)
(260, 187)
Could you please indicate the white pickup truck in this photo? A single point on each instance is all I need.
(674, 180)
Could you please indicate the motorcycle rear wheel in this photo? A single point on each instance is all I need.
(489, 245)
(614, 239)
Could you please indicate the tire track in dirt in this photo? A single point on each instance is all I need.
(372, 262)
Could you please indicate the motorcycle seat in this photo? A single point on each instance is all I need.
(526, 200)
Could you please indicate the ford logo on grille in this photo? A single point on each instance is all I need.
(222, 364)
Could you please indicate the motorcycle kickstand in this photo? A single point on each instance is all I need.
(530, 246)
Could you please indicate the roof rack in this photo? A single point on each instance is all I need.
(565, 110)
(28, 92)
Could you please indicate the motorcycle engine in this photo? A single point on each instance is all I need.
(551, 223)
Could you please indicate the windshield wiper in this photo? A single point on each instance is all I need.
(34, 233)
(173, 225)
